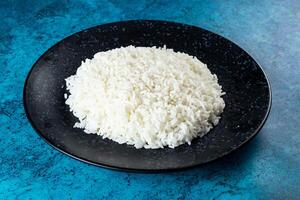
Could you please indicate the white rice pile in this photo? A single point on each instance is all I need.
(146, 97)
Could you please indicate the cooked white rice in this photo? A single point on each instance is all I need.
(146, 97)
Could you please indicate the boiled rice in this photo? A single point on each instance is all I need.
(145, 96)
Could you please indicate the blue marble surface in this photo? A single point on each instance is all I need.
(266, 168)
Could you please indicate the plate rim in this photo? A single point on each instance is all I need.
(137, 170)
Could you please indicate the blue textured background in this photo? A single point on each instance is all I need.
(266, 168)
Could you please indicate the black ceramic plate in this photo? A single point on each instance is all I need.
(248, 95)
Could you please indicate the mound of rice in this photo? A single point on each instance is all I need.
(146, 97)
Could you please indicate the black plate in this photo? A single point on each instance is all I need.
(248, 95)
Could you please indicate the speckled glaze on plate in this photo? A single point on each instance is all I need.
(248, 95)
